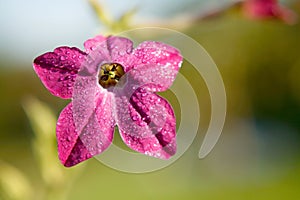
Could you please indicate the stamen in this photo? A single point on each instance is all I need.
(110, 74)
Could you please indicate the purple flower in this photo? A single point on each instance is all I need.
(110, 84)
(267, 9)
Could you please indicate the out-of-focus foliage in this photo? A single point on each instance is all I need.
(14, 184)
(43, 122)
(56, 178)
(113, 25)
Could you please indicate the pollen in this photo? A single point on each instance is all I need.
(110, 74)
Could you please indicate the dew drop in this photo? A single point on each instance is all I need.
(99, 145)
(121, 53)
(50, 78)
(134, 118)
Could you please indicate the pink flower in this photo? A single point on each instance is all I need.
(110, 83)
(267, 9)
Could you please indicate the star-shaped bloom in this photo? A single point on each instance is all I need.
(111, 83)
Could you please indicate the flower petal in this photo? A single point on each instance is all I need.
(57, 70)
(91, 44)
(120, 48)
(84, 99)
(70, 148)
(267, 9)
(155, 65)
(147, 123)
(110, 49)
(96, 135)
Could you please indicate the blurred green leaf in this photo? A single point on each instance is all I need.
(56, 177)
(43, 121)
(13, 184)
(124, 22)
(99, 10)
(114, 26)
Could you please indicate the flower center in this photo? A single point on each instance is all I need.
(110, 74)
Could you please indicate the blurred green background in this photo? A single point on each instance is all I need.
(257, 156)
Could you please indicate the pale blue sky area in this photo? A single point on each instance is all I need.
(32, 27)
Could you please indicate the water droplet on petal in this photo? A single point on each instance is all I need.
(99, 145)
(134, 118)
(121, 53)
(50, 78)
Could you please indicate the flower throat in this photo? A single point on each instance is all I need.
(110, 74)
